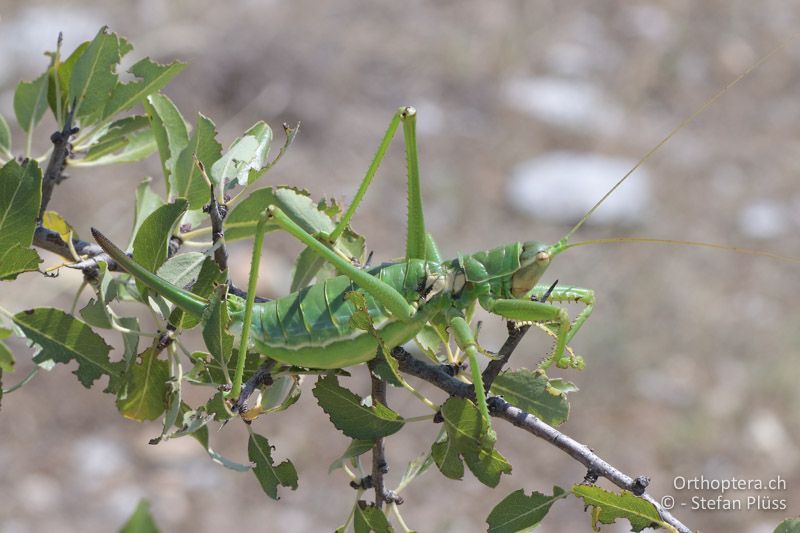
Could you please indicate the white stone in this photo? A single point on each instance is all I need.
(565, 103)
(562, 186)
(763, 219)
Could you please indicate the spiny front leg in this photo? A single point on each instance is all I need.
(530, 311)
(567, 294)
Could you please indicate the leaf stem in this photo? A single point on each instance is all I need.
(396, 510)
(420, 418)
(29, 377)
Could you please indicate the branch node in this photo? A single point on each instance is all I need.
(383, 467)
(217, 212)
(364, 483)
(262, 376)
(391, 496)
(453, 369)
(639, 485)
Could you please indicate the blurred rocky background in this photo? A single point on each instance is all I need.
(528, 112)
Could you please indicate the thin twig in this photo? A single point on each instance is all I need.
(53, 175)
(52, 242)
(515, 334)
(232, 289)
(217, 212)
(597, 467)
(379, 464)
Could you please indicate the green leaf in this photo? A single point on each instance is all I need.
(95, 314)
(242, 219)
(54, 221)
(357, 447)
(188, 417)
(530, 391)
(134, 147)
(147, 201)
(268, 473)
(200, 434)
(126, 140)
(369, 518)
(144, 392)
(30, 102)
(20, 196)
(141, 521)
(174, 405)
(94, 77)
(122, 127)
(429, 341)
(384, 366)
(486, 465)
(130, 341)
(216, 406)
(218, 339)
(790, 525)
(193, 422)
(170, 130)
(350, 244)
(6, 357)
(291, 133)
(152, 240)
(16, 260)
(227, 463)
(172, 401)
(309, 264)
(306, 266)
(100, 148)
(5, 136)
(518, 512)
(247, 155)
(447, 457)
(182, 269)
(562, 385)
(282, 394)
(608, 507)
(467, 429)
(207, 370)
(187, 181)
(463, 423)
(414, 469)
(64, 338)
(209, 276)
(349, 414)
(58, 80)
(152, 77)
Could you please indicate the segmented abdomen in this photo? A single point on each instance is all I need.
(320, 313)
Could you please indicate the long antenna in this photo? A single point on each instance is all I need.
(685, 122)
(698, 244)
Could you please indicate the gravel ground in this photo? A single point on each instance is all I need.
(692, 355)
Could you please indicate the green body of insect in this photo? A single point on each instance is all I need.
(312, 327)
